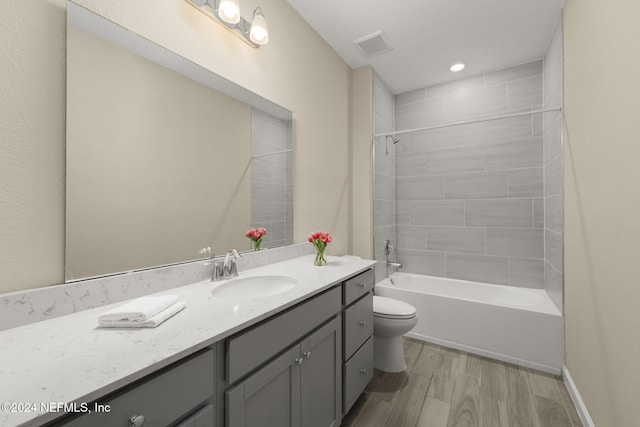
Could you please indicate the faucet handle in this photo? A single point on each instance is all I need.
(233, 269)
(218, 272)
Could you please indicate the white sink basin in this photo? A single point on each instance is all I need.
(254, 287)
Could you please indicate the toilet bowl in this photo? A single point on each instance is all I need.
(391, 320)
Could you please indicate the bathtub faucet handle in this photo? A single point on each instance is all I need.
(388, 248)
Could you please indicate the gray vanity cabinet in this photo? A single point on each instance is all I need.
(358, 339)
(300, 388)
(181, 394)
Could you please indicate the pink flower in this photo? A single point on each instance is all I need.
(324, 238)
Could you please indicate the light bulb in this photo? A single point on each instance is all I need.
(457, 67)
(259, 33)
(229, 11)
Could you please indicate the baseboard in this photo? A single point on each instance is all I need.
(577, 399)
(486, 353)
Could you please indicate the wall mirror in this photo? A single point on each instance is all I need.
(164, 157)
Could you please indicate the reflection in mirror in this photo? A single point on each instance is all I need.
(159, 160)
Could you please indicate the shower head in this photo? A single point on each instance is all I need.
(394, 139)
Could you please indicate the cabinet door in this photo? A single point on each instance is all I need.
(321, 382)
(269, 397)
(202, 418)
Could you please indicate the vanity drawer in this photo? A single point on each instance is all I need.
(357, 286)
(358, 371)
(250, 349)
(161, 399)
(358, 325)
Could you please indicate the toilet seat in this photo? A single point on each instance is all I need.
(389, 308)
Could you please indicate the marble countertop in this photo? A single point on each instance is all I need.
(69, 359)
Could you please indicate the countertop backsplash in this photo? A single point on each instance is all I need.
(34, 305)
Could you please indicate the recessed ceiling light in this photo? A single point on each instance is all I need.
(457, 67)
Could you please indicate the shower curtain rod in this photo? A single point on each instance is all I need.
(272, 153)
(466, 122)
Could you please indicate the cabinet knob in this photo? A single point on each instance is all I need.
(363, 371)
(363, 323)
(299, 361)
(362, 285)
(307, 355)
(136, 421)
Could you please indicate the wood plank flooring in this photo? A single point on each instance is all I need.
(443, 387)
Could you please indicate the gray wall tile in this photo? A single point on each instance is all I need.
(384, 187)
(553, 283)
(553, 248)
(466, 240)
(524, 94)
(537, 122)
(499, 213)
(552, 136)
(419, 114)
(411, 97)
(553, 213)
(514, 73)
(384, 212)
(518, 242)
(404, 211)
(526, 272)
(525, 182)
(422, 262)
(411, 236)
(553, 181)
(468, 84)
(455, 160)
(411, 164)
(521, 153)
(420, 188)
(482, 185)
(488, 269)
(484, 101)
(538, 213)
(437, 212)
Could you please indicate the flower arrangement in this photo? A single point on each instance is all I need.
(256, 235)
(319, 240)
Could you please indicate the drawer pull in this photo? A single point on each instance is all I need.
(362, 285)
(136, 421)
(363, 323)
(307, 355)
(363, 371)
(299, 361)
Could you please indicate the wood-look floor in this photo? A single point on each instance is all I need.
(443, 387)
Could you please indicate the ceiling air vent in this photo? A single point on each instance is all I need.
(374, 44)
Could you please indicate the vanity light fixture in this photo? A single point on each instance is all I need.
(457, 67)
(227, 12)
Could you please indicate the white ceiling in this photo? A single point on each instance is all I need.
(430, 35)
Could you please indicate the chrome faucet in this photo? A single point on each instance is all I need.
(229, 268)
(388, 248)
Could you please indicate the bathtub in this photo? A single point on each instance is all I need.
(516, 325)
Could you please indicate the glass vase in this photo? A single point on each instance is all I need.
(320, 257)
(257, 245)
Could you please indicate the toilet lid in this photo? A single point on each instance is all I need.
(392, 308)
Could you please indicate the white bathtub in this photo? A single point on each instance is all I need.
(516, 325)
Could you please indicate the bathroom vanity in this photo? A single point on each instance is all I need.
(301, 357)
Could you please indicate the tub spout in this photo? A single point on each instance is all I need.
(394, 264)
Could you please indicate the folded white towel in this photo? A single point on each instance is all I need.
(149, 323)
(140, 309)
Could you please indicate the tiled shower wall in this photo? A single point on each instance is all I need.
(271, 178)
(384, 192)
(470, 198)
(553, 170)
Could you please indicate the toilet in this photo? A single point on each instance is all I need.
(391, 320)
